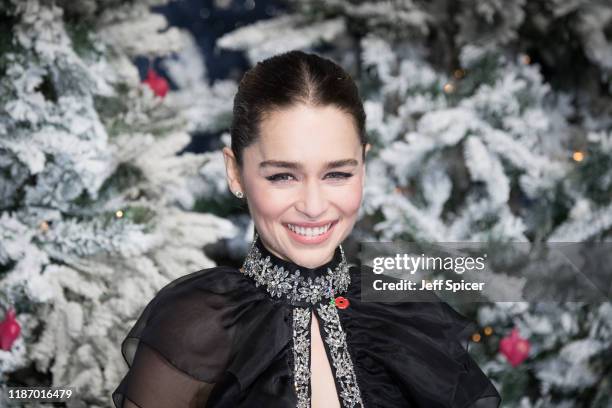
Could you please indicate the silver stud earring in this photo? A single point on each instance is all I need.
(239, 194)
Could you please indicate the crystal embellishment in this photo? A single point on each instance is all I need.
(278, 281)
(335, 337)
(301, 355)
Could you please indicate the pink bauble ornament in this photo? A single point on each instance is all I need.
(157, 83)
(515, 348)
(9, 330)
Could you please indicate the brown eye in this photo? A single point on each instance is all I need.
(340, 175)
(279, 177)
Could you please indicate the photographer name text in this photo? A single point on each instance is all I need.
(437, 284)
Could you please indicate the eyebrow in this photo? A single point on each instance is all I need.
(296, 165)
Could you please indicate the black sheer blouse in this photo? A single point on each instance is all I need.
(225, 337)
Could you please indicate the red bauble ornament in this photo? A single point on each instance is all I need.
(157, 83)
(9, 330)
(342, 302)
(515, 348)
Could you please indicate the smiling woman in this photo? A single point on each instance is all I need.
(303, 192)
(289, 329)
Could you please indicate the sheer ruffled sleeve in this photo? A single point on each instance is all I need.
(178, 350)
(473, 388)
(417, 352)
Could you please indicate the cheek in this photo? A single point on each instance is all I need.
(260, 204)
(348, 199)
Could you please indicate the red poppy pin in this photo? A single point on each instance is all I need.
(342, 302)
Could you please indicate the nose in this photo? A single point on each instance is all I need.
(312, 200)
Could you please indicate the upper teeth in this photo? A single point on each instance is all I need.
(309, 232)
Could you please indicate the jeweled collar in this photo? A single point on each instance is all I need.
(294, 283)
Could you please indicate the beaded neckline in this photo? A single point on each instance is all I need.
(292, 282)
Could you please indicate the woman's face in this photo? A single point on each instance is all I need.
(305, 169)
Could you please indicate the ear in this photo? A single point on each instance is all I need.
(232, 170)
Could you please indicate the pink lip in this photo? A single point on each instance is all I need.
(311, 240)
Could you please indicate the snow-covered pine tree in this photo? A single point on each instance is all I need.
(510, 180)
(96, 205)
(207, 109)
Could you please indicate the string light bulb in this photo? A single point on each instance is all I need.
(449, 88)
(119, 214)
(578, 156)
(525, 59)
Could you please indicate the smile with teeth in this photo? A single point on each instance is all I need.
(309, 232)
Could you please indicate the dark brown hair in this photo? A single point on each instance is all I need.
(285, 80)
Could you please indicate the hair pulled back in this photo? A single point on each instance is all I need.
(285, 80)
